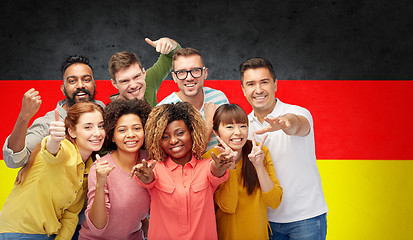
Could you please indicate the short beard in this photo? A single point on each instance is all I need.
(72, 100)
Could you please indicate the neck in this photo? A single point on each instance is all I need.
(183, 160)
(197, 101)
(239, 156)
(126, 160)
(262, 113)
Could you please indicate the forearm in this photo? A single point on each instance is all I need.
(97, 213)
(216, 171)
(299, 125)
(264, 178)
(18, 135)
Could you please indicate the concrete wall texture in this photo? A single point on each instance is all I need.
(312, 39)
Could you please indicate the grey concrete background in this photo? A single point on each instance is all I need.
(307, 39)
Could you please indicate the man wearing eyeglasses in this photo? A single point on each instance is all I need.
(189, 73)
(131, 79)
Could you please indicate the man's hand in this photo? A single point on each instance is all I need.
(257, 154)
(30, 104)
(144, 171)
(290, 123)
(163, 45)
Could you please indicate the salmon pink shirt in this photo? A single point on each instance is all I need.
(182, 203)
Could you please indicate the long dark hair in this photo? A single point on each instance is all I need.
(232, 113)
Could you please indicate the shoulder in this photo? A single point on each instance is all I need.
(216, 96)
(171, 98)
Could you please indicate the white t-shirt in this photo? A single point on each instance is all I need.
(295, 166)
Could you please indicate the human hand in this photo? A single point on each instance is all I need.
(144, 171)
(209, 111)
(57, 128)
(277, 123)
(257, 154)
(226, 159)
(102, 170)
(30, 104)
(163, 45)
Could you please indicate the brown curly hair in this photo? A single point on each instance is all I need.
(116, 110)
(159, 119)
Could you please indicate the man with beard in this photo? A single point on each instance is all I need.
(78, 85)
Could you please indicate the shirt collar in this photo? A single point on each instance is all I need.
(171, 165)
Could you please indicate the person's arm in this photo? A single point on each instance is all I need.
(291, 124)
(257, 157)
(162, 67)
(273, 197)
(98, 214)
(16, 142)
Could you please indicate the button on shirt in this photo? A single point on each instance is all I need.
(52, 195)
(182, 205)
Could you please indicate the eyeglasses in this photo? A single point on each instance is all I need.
(183, 74)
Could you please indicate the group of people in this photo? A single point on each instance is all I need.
(193, 166)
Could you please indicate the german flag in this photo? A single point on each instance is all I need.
(362, 131)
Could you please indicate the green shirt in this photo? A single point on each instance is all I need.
(154, 77)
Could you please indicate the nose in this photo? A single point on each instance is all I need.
(80, 84)
(237, 130)
(258, 88)
(129, 133)
(173, 140)
(97, 131)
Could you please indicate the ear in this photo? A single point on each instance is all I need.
(275, 82)
(62, 88)
(114, 83)
(205, 73)
(174, 77)
(72, 133)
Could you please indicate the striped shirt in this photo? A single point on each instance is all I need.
(210, 95)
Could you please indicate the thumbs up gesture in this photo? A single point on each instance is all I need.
(102, 170)
(57, 134)
(163, 45)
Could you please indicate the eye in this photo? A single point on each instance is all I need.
(71, 81)
(244, 126)
(180, 133)
(87, 80)
(164, 137)
(228, 126)
(137, 128)
(100, 126)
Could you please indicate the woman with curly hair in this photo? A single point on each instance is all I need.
(180, 183)
(252, 185)
(117, 204)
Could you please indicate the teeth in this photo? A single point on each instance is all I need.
(236, 140)
(131, 142)
(260, 97)
(190, 85)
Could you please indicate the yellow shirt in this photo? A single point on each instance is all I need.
(52, 195)
(243, 216)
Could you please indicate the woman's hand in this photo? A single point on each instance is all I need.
(144, 171)
(257, 154)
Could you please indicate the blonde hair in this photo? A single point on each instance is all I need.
(158, 121)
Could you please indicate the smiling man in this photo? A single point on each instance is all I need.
(302, 212)
(189, 73)
(132, 80)
(78, 85)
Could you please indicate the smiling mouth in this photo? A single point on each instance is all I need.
(190, 85)
(131, 143)
(236, 140)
